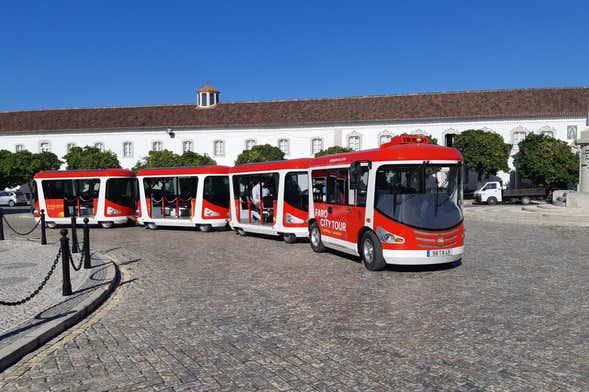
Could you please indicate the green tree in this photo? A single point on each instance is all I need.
(484, 152)
(261, 153)
(190, 158)
(432, 140)
(167, 158)
(547, 162)
(333, 150)
(90, 158)
(19, 168)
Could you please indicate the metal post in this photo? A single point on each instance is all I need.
(87, 261)
(65, 263)
(75, 245)
(1, 225)
(43, 234)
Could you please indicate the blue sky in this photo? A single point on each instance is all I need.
(116, 53)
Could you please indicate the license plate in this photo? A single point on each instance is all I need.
(439, 252)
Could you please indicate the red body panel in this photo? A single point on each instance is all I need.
(124, 211)
(180, 171)
(54, 208)
(223, 212)
(85, 173)
(302, 163)
(304, 215)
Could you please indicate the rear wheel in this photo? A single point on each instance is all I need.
(152, 226)
(315, 238)
(289, 238)
(205, 228)
(241, 232)
(11, 203)
(492, 201)
(51, 225)
(371, 252)
(525, 200)
(106, 225)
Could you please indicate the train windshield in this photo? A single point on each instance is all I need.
(425, 196)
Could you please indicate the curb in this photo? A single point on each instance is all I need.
(30, 342)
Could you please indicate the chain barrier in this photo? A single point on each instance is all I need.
(16, 231)
(81, 262)
(38, 290)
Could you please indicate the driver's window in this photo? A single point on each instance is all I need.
(490, 186)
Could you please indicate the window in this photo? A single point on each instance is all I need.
(99, 146)
(122, 191)
(490, 186)
(70, 146)
(421, 196)
(128, 150)
(19, 147)
(204, 99)
(170, 197)
(354, 142)
(257, 193)
(384, 138)
(572, 132)
(330, 186)
(296, 190)
(283, 145)
(249, 144)
(157, 145)
(518, 137)
(212, 98)
(45, 147)
(316, 145)
(67, 195)
(219, 147)
(187, 146)
(547, 133)
(216, 190)
(449, 139)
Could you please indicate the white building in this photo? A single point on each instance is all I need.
(299, 127)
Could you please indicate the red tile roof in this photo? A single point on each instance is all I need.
(431, 106)
(207, 88)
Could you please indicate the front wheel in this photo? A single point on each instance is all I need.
(11, 203)
(371, 252)
(492, 201)
(525, 200)
(205, 228)
(106, 225)
(315, 238)
(289, 238)
(51, 225)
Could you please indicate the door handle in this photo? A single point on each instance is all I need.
(329, 210)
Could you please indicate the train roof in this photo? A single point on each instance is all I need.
(400, 148)
(185, 170)
(85, 173)
(301, 163)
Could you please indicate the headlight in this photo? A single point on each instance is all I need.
(209, 212)
(389, 238)
(293, 219)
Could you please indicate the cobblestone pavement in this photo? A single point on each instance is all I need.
(214, 311)
(23, 266)
(533, 214)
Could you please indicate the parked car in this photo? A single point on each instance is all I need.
(492, 193)
(12, 198)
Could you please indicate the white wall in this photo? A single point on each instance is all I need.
(299, 137)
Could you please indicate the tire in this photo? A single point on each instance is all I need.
(152, 226)
(315, 238)
(525, 200)
(106, 225)
(241, 232)
(289, 238)
(371, 252)
(205, 228)
(51, 225)
(11, 203)
(492, 201)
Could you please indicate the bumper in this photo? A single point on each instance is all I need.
(420, 257)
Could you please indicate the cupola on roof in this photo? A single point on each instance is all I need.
(207, 96)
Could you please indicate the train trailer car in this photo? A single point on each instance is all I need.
(184, 197)
(106, 197)
(398, 204)
(271, 198)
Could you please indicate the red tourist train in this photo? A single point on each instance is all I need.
(184, 196)
(105, 197)
(398, 204)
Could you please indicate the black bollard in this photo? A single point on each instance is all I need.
(87, 261)
(75, 245)
(1, 225)
(43, 234)
(65, 263)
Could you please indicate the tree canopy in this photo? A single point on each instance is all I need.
(484, 152)
(90, 158)
(333, 150)
(167, 158)
(260, 153)
(547, 162)
(19, 168)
